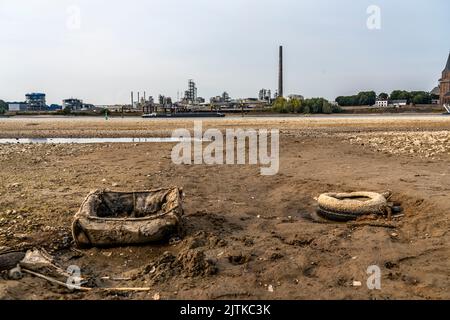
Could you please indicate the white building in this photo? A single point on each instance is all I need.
(381, 103)
(398, 103)
(17, 106)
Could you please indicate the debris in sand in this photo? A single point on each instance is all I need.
(10, 260)
(357, 283)
(270, 288)
(14, 185)
(80, 288)
(15, 273)
(125, 218)
(352, 206)
(156, 296)
(116, 278)
(37, 259)
(54, 281)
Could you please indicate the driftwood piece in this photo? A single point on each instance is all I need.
(79, 288)
(54, 281)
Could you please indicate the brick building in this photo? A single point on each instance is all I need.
(444, 84)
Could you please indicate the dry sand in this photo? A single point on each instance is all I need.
(245, 233)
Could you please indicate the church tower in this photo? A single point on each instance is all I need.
(445, 84)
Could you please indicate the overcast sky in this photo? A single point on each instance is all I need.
(100, 50)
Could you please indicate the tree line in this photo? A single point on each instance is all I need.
(307, 106)
(368, 98)
(3, 107)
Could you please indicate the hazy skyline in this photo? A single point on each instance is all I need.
(113, 47)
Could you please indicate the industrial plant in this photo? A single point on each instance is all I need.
(191, 102)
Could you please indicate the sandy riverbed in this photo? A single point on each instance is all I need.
(255, 231)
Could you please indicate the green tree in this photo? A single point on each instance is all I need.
(313, 105)
(336, 109)
(3, 107)
(401, 95)
(367, 98)
(295, 105)
(420, 97)
(326, 107)
(383, 96)
(67, 111)
(280, 105)
(435, 96)
(306, 109)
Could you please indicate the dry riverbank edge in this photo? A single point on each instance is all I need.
(51, 127)
(247, 236)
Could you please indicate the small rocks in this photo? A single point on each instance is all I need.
(157, 296)
(21, 236)
(424, 144)
(394, 235)
(4, 248)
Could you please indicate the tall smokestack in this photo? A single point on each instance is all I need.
(132, 100)
(139, 101)
(280, 73)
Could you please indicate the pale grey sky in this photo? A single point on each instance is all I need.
(100, 50)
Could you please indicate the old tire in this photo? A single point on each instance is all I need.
(349, 206)
(335, 216)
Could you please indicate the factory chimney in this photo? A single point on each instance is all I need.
(132, 102)
(280, 73)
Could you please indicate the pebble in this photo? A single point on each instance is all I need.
(357, 283)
